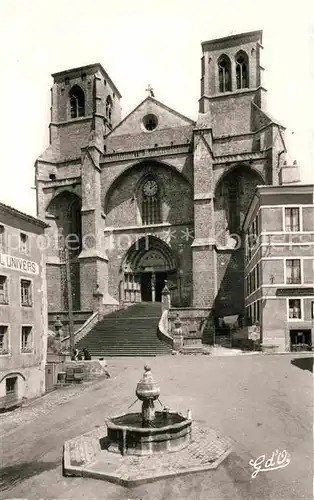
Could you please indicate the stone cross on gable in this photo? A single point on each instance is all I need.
(149, 90)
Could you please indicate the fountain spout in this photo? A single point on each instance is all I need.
(147, 391)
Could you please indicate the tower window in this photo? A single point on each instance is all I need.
(150, 202)
(109, 108)
(224, 70)
(242, 70)
(77, 102)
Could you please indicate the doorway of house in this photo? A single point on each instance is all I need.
(300, 340)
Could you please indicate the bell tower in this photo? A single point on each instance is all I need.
(82, 99)
(85, 106)
(231, 66)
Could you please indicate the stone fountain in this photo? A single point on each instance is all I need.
(135, 448)
(150, 431)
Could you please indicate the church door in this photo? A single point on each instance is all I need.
(146, 287)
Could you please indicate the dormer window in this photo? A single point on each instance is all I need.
(77, 102)
(242, 70)
(224, 71)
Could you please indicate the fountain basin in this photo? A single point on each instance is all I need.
(129, 435)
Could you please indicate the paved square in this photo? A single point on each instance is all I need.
(263, 403)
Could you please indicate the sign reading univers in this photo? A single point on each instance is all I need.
(18, 264)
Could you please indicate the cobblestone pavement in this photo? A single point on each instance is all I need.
(205, 448)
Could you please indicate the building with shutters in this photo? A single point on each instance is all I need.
(279, 270)
(23, 307)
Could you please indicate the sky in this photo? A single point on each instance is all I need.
(156, 42)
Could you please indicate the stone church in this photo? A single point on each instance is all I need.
(156, 196)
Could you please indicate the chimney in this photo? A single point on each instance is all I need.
(290, 174)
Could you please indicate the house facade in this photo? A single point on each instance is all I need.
(279, 271)
(23, 307)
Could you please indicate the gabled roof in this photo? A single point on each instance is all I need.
(155, 101)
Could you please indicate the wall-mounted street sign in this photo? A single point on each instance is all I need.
(254, 332)
(18, 264)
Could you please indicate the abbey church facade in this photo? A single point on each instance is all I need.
(156, 196)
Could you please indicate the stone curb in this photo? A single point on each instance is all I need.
(144, 475)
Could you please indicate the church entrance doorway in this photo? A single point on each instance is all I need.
(148, 264)
(152, 284)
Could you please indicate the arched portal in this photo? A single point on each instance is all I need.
(66, 208)
(146, 266)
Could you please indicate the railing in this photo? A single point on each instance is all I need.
(83, 330)
(163, 327)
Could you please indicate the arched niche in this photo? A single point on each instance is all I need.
(66, 209)
(123, 201)
(233, 194)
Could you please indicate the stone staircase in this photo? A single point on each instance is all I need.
(127, 332)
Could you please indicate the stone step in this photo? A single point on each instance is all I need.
(127, 332)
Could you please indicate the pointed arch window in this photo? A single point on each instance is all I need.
(224, 71)
(242, 70)
(77, 102)
(151, 207)
(109, 108)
